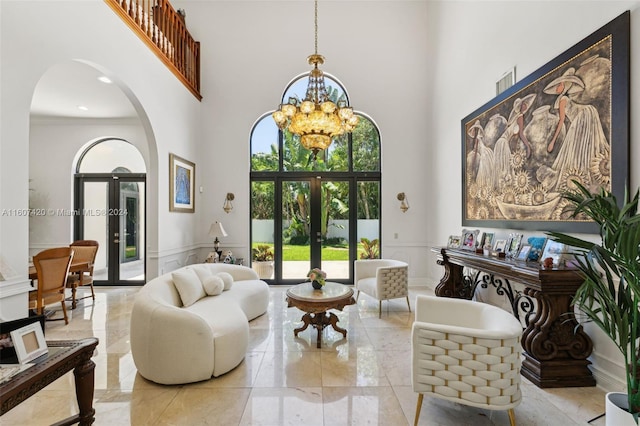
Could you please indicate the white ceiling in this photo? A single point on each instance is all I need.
(66, 86)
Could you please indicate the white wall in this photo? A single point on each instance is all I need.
(53, 147)
(250, 52)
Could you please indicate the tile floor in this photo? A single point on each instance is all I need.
(363, 379)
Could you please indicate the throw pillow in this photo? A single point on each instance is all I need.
(227, 278)
(188, 285)
(203, 272)
(213, 285)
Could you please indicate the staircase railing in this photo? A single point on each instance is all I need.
(163, 29)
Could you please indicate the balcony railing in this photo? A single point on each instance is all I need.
(163, 29)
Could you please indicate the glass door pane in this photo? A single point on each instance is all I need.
(130, 215)
(368, 220)
(262, 228)
(334, 214)
(96, 225)
(296, 228)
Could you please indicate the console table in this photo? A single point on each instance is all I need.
(63, 356)
(555, 345)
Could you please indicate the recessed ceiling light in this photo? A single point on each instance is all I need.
(104, 79)
(83, 108)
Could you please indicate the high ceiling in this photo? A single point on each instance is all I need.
(66, 87)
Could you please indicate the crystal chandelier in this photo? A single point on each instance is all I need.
(317, 120)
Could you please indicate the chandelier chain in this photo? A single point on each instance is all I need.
(316, 120)
(316, 25)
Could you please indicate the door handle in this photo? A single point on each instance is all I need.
(116, 241)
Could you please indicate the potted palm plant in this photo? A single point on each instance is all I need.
(610, 294)
(262, 255)
(371, 248)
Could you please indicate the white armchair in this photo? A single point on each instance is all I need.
(382, 279)
(466, 352)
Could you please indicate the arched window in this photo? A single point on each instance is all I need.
(301, 206)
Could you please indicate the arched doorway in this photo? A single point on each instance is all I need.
(109, 196)
(75, 104)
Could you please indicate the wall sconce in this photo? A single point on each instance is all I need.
(404, 203)
(227, 206)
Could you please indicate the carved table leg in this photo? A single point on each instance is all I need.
(451, 282)
(74, 303)
(555, 347)
(84, 378)
(320, 321)
(307, 320)
(333, 319)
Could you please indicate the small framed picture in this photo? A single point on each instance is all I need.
(514, 245)
(537, 245)
(29, 342)
(500, 246)
(469, 239)
(554, 250)
(454, 241)
(488, 239)
(523, 254)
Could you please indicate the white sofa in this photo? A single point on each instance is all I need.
(173, 344)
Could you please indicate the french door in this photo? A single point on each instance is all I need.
(312, 227)
(111, 210)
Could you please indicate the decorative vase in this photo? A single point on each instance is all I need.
(263, 269)
(316, 285)
(616, 407)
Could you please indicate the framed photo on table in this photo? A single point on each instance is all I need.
(182, 181)
(29, 342)
(523, 254)
(513, 247)
(500, 246)
(488, 239)
(454, 241)
(555, 250)
(537, 245)
(469, 239)
(7, 349)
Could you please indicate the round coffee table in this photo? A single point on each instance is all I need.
(316, 303)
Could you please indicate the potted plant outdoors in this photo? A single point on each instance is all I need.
(371, 248)
(610, 294)
(262, 255)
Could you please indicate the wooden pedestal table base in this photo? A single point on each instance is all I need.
(316, 303)
(319, 321)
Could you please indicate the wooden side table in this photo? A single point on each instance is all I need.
(555, 346)
(63, 357)
(316, 303)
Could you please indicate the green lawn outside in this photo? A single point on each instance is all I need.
(291, 252)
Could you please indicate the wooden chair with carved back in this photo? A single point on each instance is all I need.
(52, 266)
(84, 251)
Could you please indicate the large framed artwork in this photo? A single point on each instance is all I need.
(567, 121)
(182, 176)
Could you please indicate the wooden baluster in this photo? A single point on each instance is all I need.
(160, 25)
